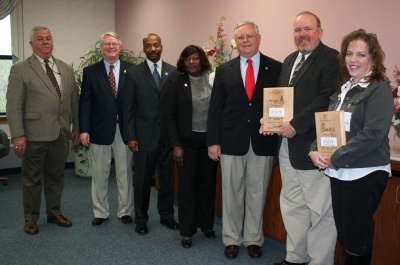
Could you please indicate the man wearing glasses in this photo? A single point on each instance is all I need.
(236, 107)
(42, 101)
(100, 121)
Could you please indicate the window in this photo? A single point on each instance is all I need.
(6, 60)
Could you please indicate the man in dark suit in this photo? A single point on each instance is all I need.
(101, 123)
(236, 107)
(144, 91)
(42, 101)
(305, 196)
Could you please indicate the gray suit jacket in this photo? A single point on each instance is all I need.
(143, 103)
(33, 106)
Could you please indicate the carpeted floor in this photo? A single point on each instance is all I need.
(111, 243)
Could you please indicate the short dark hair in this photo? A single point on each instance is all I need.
(374, 48)
(189, 50)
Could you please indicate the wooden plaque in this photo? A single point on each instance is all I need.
(331, 134)
(278, 107)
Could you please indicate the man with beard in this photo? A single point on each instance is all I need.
(305, 198)
(144, 91)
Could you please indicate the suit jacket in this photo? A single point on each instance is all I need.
(33, 106)
(143, 103)
(234, 120)
(99, 109)
(178, 109)
(313, 85)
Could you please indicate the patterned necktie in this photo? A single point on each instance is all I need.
(52, 78)
(156, 76)
(249, 82)
(111, 76)
(296, 69)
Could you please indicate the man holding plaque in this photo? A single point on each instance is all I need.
(305, 198)
(236, 107)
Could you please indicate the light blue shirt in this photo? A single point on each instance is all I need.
(256, 67)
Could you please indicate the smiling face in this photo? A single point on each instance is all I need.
(152, 47)
(42, 43)
(358, 60)
(110, 48)
(247, 40)
(192, 64)
(307, 34)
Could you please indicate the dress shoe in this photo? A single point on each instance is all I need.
(141, 229)
(186, 242)
(59, 220)
(255, 251)
(98, 221)
(288, 263)
(31, 227)
(126, 219)
(170, 223)
(231, 251)
(209, 233)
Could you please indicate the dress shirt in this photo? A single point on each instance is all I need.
(256, 67)
(151, 66)
(115, 70)
(297, 61)
(53, 67)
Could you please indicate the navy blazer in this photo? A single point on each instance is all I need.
(143, 103)
(313, 85)
(99, 109)
(233, 119)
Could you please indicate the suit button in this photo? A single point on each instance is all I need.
(248, 121)
(250, 104)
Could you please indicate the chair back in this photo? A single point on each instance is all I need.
(4, 144)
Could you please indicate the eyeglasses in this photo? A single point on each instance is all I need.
(109, 44)
(247, 36)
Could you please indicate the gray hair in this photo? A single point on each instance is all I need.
(36, 29)
(112, 34)
(245, 22)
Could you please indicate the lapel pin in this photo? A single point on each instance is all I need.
(166, 73)
(266, 68)
(185, 85)
(124, 71)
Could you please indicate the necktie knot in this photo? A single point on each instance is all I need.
(249, 61)
(111, 67)
(296, 69)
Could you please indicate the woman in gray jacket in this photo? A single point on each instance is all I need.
(359, 170)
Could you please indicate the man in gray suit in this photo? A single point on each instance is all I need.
(144, 91)
(305, 198)
(42, 100)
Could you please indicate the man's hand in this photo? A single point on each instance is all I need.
(19, 144)
(133, 146)
(214, 152)
(85, 139)
(286, 130)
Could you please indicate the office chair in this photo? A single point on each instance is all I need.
(4, 150)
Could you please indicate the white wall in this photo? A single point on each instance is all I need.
(75, 24)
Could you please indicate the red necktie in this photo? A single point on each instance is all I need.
(249, 83)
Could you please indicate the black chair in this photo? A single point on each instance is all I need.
(4, 150)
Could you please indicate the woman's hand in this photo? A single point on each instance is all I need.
(319, 161)
(178, 155)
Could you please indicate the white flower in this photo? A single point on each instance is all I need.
(398, 91)
(396, 122)
(233, 44)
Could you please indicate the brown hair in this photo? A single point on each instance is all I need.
(374, 48)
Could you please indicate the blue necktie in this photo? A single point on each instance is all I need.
(156, 76)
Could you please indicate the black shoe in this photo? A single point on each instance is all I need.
(255, 251)
(170, 223)
(209, 233)
(126, 219)
(231, 251)
(98, 221)
(288, 263)
(186, 243)
(141, 229)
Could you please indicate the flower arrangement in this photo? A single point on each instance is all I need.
(216, 53)
(396, 96)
